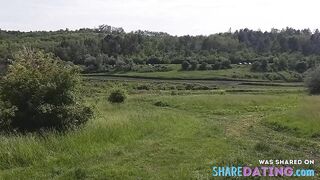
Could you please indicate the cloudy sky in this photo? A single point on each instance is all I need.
(177, 17)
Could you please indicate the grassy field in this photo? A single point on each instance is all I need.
(158, 134)
(237, 72)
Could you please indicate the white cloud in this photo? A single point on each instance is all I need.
(172, 16)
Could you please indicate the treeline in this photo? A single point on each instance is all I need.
(108, 48)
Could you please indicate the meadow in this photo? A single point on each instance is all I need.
(168, 131)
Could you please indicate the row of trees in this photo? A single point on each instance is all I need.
(99, 48)
(193, 65)
(284, 63)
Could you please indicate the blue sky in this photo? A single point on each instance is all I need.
(177, 17)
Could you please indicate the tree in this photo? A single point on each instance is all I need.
(41, 92)
(153, 60)
(301, 67)
(313, 81)
(216, 65)
(92, 63)
(226, 64)
(185, 65)
(293, 44)
(203, 66)
(288, 45)
(264, 65)
(194, 65)
(255, 66)
(282, 64)
(111, 45)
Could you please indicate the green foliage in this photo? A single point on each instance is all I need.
(194, 65)
(153, 60)
(264, 65)
(111, 49)
(226, 64)
(281, 64)
(301, 67)
(117, 95)
(260, 66)
(255, 66)
(313, 81)
(216, 66)
(41, 92)
(185, 65)
(7, 113)
(203, 66)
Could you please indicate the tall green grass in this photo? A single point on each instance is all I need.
(303, 120)
(139, 140)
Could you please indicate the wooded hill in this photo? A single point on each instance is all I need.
(104, 48)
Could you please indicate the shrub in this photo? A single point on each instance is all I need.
(264, 65)
(281, 64)
(41, 92)
(226, 64)
(313, 81)
(216, 66)
(194, 65)
(203, 66)
(185, 65)
(153, 60)
(177, 60)
(255, 67)
(7, 112)
(301, 67)
(117, 95)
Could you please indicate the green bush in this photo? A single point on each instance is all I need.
(313, 81)
(185, 65)
(226, 64)
(203, 66)
(41, 92)
(216, 66)
(194, 65)
(255, 67)
(7, 112)
(117, 95)
(301, 67)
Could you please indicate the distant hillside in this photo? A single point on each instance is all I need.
(105, 48)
